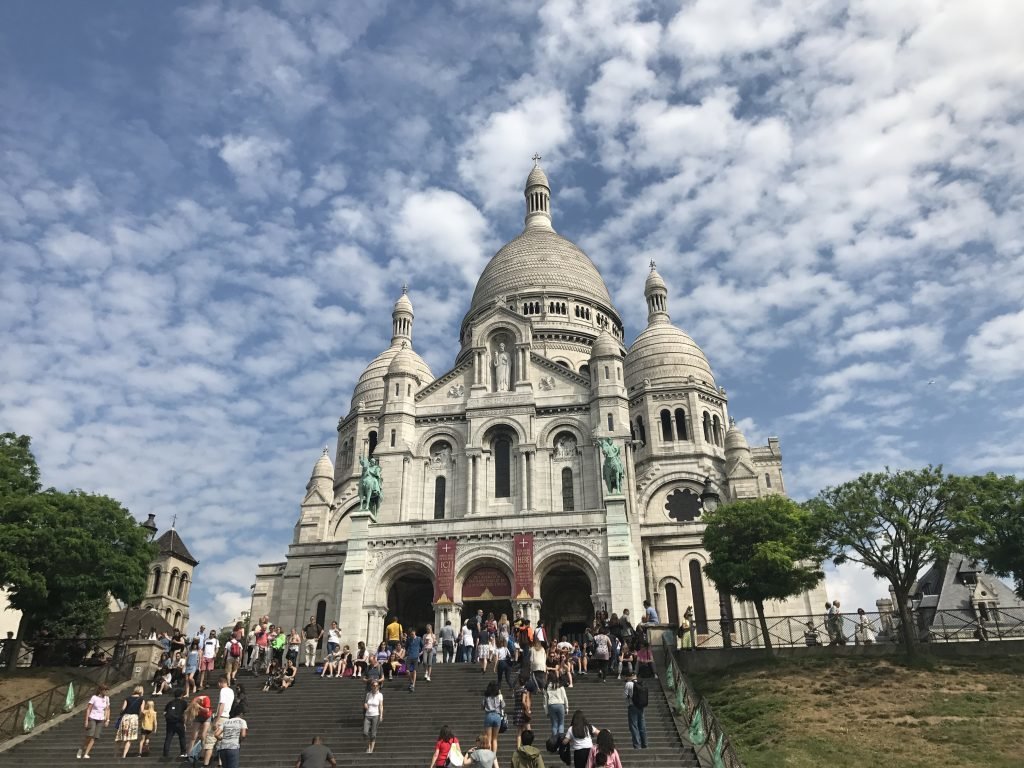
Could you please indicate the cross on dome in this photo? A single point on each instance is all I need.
(653, 266)
(536, 159)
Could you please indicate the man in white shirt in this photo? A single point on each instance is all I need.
(221, 713)
(211, 646)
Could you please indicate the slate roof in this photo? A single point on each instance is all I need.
(170, 543)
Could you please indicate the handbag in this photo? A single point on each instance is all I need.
(503, 725)
(455, 757)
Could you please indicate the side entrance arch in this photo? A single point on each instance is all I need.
(409, 598)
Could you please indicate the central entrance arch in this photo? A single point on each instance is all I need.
(409, 598)
(487, 589)
(567, 608)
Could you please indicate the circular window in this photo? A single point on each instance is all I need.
(683, 505)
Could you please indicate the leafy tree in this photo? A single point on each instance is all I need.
(893, 523)
(62, 554)
(18, 471)
(762, 549)
(989, 517)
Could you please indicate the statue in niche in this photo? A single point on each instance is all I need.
(565, 448)
(441, 457)
(502, 365)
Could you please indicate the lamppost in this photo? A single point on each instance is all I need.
(709, 501)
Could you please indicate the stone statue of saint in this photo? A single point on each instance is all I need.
(612, 469)
(502, 367)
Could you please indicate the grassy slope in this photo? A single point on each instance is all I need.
(847, 712)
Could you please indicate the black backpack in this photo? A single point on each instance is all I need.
(241, 704)
(640, 696)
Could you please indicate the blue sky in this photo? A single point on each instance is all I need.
(207, 210)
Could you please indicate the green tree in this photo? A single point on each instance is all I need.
(989, 518)
(63, 554)
(893, 523)
(762, 549)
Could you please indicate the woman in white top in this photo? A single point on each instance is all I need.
(466, 642)
(556, 703)
(580, 738)
(864, 635)
(373, 714)
(429, 651)
(538, 662)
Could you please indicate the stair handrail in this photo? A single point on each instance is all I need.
(716, 750)
(53, 701)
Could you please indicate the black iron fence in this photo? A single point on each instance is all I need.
(704, 731)
(26, 715)
(928, 625)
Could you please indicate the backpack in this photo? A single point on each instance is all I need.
(640, 695)
(235, 649)
(565, 752)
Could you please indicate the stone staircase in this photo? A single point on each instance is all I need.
(281, 724)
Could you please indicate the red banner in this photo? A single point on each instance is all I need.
(523, 570)
(486, 584)
(444, 581)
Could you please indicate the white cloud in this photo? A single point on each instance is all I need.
(996, 349)
(258, 165)
(494, 159)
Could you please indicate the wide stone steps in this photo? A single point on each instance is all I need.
(281, 724)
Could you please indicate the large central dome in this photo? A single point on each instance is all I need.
(541, 264)
(540, 260)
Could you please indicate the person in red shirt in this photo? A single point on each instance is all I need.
(445, 740)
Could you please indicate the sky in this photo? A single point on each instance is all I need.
(207, 210)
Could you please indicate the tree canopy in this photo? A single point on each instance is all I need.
(762, 549)
(989, 520)
(893, 523)
(63, 554)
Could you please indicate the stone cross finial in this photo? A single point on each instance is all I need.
(325, 450)
(405, 288)
(174, 520)
(536, 159)
(652, 265)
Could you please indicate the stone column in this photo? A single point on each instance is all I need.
(523, 492)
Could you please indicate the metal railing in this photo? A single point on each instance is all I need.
(57, 700)
(709, 739)
(929, 625)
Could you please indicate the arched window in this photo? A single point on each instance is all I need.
(373, 443)
(440, 483)
(177, 620)
(700, 611)
(394, 436)
(681, 424)
(716, 430)
(767, 480)
(167, 615)
(502, 467)
(707, 427)
(568, 501)
(182, 586)
(607, 374)
(157, 573)
(611, 423)
(641, 430)
(632, 431)
(666, 426)
(172, 583)
(672, 601)
(585, 370)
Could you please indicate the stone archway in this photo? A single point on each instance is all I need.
(567, 608)
(409, 597)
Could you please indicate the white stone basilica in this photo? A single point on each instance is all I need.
(492, 479)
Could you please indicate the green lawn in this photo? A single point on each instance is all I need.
(850, 712)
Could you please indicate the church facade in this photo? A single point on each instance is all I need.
(491, 488)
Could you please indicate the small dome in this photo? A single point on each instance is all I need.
(537, 176)
(404, 362)
(665, 355)
(654, 282)
(605, 346)
(403, 304)
(323, 467)
(735, 441)
(370, 387)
